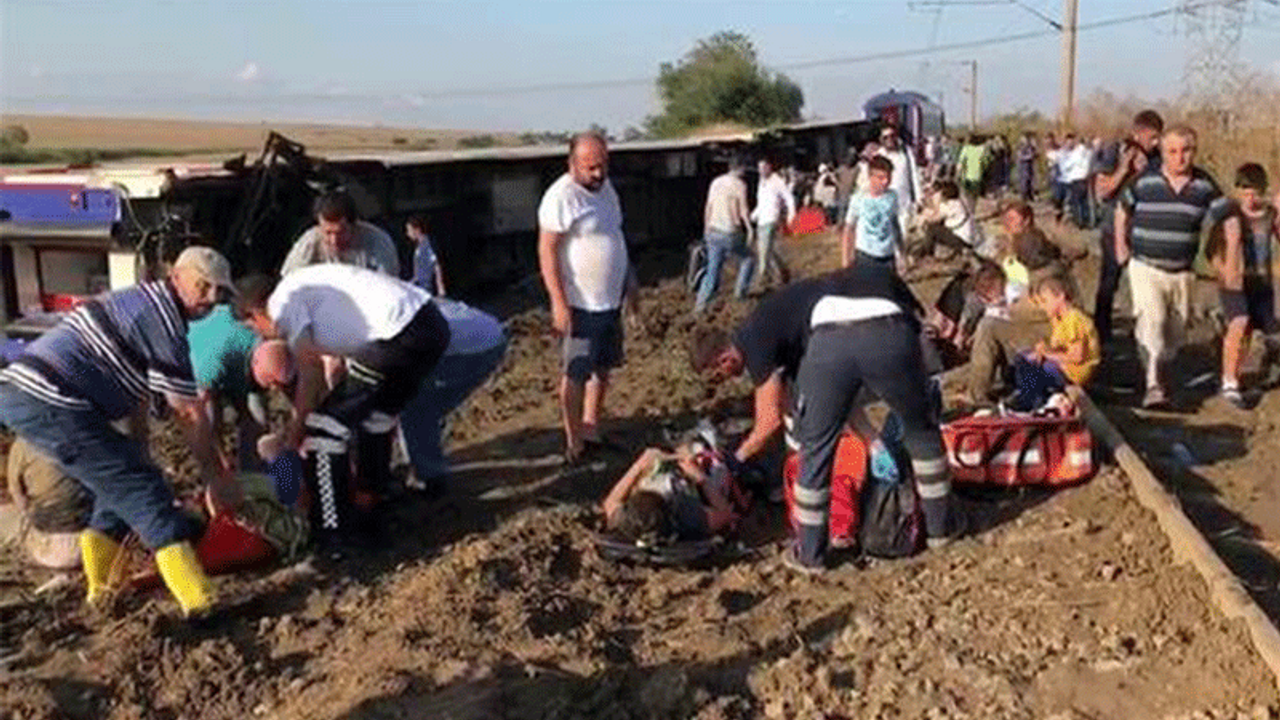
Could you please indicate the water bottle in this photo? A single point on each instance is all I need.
(884, 451)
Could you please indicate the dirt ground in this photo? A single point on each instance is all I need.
(493, 604)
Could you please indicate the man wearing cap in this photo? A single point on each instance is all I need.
(391, 335)
(106, 361)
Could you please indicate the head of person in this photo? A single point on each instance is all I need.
(879, 172)
(336, 217)
(889, 137)
(272, 365)
(1070, 140)
(1052, 296)
(947, 189)
(202, 278)
(415, 228)
(1017, 217)
(1147, 128)
(766, 166)
(1178, 150)
(869, 150)
(589, 160)
(1029, 136)
(989, 281)
(823, 168)
(642, 516)
(713, 354)
(1251, 186)
(737, 166)
(251, 304)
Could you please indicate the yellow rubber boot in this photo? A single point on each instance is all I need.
(98, 555)
(184, 577)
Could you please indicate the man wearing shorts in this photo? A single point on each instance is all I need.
(583, 257)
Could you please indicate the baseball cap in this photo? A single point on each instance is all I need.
(210, 264)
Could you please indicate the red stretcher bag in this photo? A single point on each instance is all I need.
(1019, 450)
(848, 474)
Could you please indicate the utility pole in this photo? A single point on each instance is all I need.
(973, 93)
(1070, 23)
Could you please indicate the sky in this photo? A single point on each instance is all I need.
(470, 65)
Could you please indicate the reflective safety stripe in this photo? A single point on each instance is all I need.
(328, 424)
(813, 518)
(1031, 457)
(1080, 457)
(328, 502)
(379, 423)
(365, 373)
(805, 496)
(324, 446)
(933, 491)
(935, 466)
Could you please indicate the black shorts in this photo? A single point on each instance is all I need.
(594, 345)
(1257, 302)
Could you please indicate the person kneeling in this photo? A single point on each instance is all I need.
(666, 496)
(1070, 356)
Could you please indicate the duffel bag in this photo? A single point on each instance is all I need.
(848, 473)
(1019, 450)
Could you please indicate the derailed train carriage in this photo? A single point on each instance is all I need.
(67, 233)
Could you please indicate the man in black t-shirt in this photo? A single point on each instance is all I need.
(830, 336)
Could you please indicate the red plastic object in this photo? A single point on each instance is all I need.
(61, 302)
(808, 220)
(228, 545)
(848, 474)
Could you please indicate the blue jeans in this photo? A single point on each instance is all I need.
(128, 491)
(1036, 382)
(454, 378)
(719, 246)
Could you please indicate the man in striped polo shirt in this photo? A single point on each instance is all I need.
(106, 362)
(1157, 228)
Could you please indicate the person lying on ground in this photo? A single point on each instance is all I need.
(1069, 357)
(1245, 277)
(391, 335)
(107, 361)
(873, 231)
(668, 495)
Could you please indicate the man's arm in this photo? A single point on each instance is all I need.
(770, 399)
(790, 202)
(300, 255)
(208, 400)
(741, 211)
(1233, 260)
(195, 425)
(848, 241)
(1106, 185)
(308, 392)
(440, 290)
(622, 489)
(1122, 234)
(549, 263)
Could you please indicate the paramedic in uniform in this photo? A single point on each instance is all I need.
(391, 335)
(106, 361)
(585, 268)
(829, 337)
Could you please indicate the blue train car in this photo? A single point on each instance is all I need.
(915, 115)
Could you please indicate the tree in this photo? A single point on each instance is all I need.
(722, 80)
(14, 136)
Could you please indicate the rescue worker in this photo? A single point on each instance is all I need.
(830, 336)
(391, 335)
(104, 362)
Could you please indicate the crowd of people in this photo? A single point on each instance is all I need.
(369, 360)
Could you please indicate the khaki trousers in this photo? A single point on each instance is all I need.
(1162, 310)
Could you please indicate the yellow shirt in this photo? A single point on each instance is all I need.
(1068, 331)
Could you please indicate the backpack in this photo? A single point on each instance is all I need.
(892, 522)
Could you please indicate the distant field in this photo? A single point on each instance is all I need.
(187, 136)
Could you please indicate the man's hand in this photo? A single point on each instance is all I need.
(560, 322)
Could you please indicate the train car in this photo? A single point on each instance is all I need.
(915, 115)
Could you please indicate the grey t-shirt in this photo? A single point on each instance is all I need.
(683, 501)
(371, 248)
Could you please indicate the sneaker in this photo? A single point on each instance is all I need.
(792, 562)
(1154, 398)
(1233, 395)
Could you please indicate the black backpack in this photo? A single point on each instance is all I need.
(892, 525)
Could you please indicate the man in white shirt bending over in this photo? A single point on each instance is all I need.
(583, 257)
(775, 209)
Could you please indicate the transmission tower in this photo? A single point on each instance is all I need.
(1213, 28)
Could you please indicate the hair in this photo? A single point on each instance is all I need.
(881, 163)
(642, 516)
(1186, 132)
(336, 205)
(1052, 283)
(737, 164)
(587, 136)
(948, 189)
(417, 222)
(1024, 210)
(706, 345)
(989, 277)
(1251, 176)
(252, 293)
(1149, 119)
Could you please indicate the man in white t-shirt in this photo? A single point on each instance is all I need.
(391, 335)
(583, 257)
(1073, 166)
(775, 209)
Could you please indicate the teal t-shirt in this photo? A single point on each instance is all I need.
(221, 348)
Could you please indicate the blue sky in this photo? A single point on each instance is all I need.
(402, 62)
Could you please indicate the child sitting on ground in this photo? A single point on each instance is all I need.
(1070, 356)
(682, 495)
(1244, 272)
(963, 302)
(949, 223)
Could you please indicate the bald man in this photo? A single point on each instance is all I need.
(232, 369)
(583, 257)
